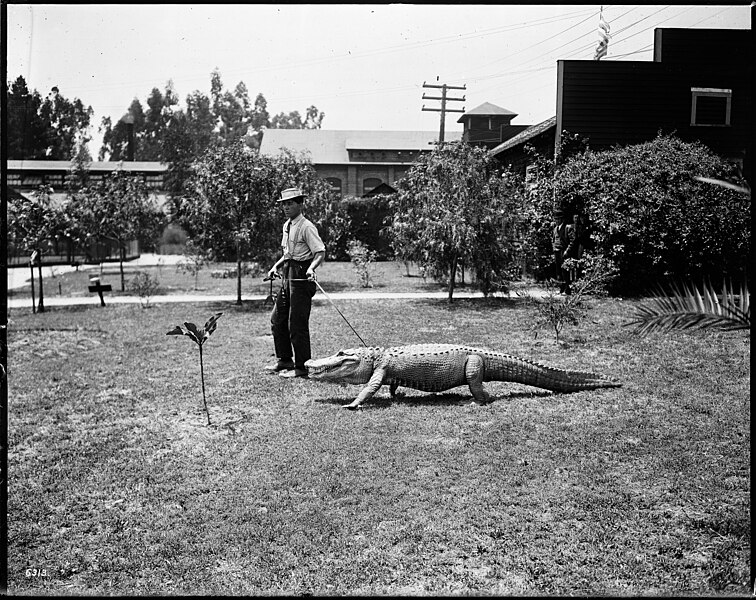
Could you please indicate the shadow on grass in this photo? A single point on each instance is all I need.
(449, 399)
(247, 306)
(480, 305)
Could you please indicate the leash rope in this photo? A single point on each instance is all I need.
(332, 304)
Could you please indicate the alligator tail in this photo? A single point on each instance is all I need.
(519, 370)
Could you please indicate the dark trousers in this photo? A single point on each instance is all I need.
(290, 319)
(563, 275)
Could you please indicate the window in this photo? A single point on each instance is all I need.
(370, 184)
(54, 180)
(710, 107)
(154, 182)
(335, 184)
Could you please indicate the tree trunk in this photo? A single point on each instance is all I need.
(452, 277)
(238, 276)
(41, 304)
(122, 256)
(34, 298)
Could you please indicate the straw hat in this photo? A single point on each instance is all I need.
(291, 194)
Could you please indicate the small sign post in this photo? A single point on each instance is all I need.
(96, 286)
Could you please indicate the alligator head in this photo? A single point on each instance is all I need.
(354, 365)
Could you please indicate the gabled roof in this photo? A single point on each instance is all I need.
(525, 135)
(65, 165)
(330, 147)
(487, 110)
(383, 188)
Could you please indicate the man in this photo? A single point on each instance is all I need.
(565, 243)
(574, 249)
(558, 245)
(303, 252)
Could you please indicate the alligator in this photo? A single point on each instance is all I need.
(439, 367)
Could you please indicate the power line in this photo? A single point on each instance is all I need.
(549, 52)
(355, 55)
(498, 60)
(529, 74)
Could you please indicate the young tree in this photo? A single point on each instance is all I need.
(194, 260)
(454, 208)
(32, 223)
(232, 210)
(117, 208)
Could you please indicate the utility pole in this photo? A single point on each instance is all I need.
(444, 99)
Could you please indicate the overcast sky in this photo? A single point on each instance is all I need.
(363, 65)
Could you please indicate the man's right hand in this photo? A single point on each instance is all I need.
(273, 273)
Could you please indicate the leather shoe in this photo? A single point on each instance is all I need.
(294, 373)
(281, 365)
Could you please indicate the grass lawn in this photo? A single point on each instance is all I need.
(117, 486)
(333, 276)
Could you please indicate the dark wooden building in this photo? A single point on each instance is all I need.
(488, 125)
(699, 87)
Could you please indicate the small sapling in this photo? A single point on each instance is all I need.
(199, 337)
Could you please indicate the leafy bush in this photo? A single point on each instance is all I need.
(145, 286)
(649, 214)
(173, 239)
(362, 260)
(338, 232)
(554, 312)
(194, 260)
(361, 219)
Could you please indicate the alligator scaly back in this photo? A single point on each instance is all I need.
(504, 367)
(439, 367)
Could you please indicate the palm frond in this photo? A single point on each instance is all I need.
(685, 307)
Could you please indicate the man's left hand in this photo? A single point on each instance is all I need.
(311, 275)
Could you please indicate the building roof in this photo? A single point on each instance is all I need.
(487, 110)
(65, 165)
(329, 146)
(525, 135)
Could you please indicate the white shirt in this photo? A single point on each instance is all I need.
(300, 240)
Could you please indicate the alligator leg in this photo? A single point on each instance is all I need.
(474, 371)
(392, 390)
(372, 386)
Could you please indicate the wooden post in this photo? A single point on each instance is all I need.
(34, 305)
(41, 303)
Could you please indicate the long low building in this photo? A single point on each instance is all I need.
(24, 177)
(355, 162)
